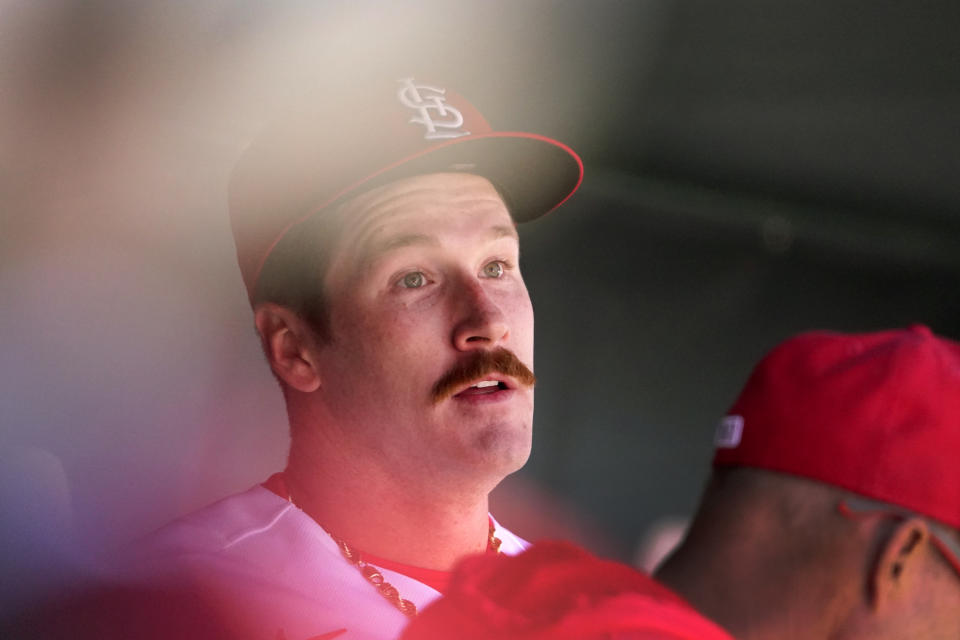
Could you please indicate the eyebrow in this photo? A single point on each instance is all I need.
(503, 231)
(381, 248)
(403, 240)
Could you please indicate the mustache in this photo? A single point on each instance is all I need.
(478, 365)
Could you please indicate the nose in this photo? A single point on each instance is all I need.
(481, 324)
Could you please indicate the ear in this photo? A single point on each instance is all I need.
(899, 563)
(289, 345)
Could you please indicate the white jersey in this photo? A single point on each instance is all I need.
(271, 571)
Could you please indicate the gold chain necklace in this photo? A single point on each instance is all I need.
(375, 577)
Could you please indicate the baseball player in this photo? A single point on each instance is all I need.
(375, 228)
(834, 506)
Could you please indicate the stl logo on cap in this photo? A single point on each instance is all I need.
(424, 99)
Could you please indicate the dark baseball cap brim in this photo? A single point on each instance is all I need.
(536, 174)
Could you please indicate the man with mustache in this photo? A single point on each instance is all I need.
(375, 227)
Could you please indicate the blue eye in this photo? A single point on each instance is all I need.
(493, 269)
(413, 280)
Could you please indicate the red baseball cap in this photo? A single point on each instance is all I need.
(347, 139)
(877, 414)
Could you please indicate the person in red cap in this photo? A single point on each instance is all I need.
(833, 510)
(375, 227)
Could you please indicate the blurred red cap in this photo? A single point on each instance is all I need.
(556, 591)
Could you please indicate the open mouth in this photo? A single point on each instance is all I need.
(483, 387)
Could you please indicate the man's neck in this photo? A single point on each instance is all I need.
(746, 593)
(381, 514)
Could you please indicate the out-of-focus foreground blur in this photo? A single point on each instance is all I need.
(753, 170)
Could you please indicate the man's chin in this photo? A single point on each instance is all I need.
(503, 449)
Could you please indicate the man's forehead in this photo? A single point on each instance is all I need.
(423, 206)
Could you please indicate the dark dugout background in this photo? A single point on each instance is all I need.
(753, 169)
